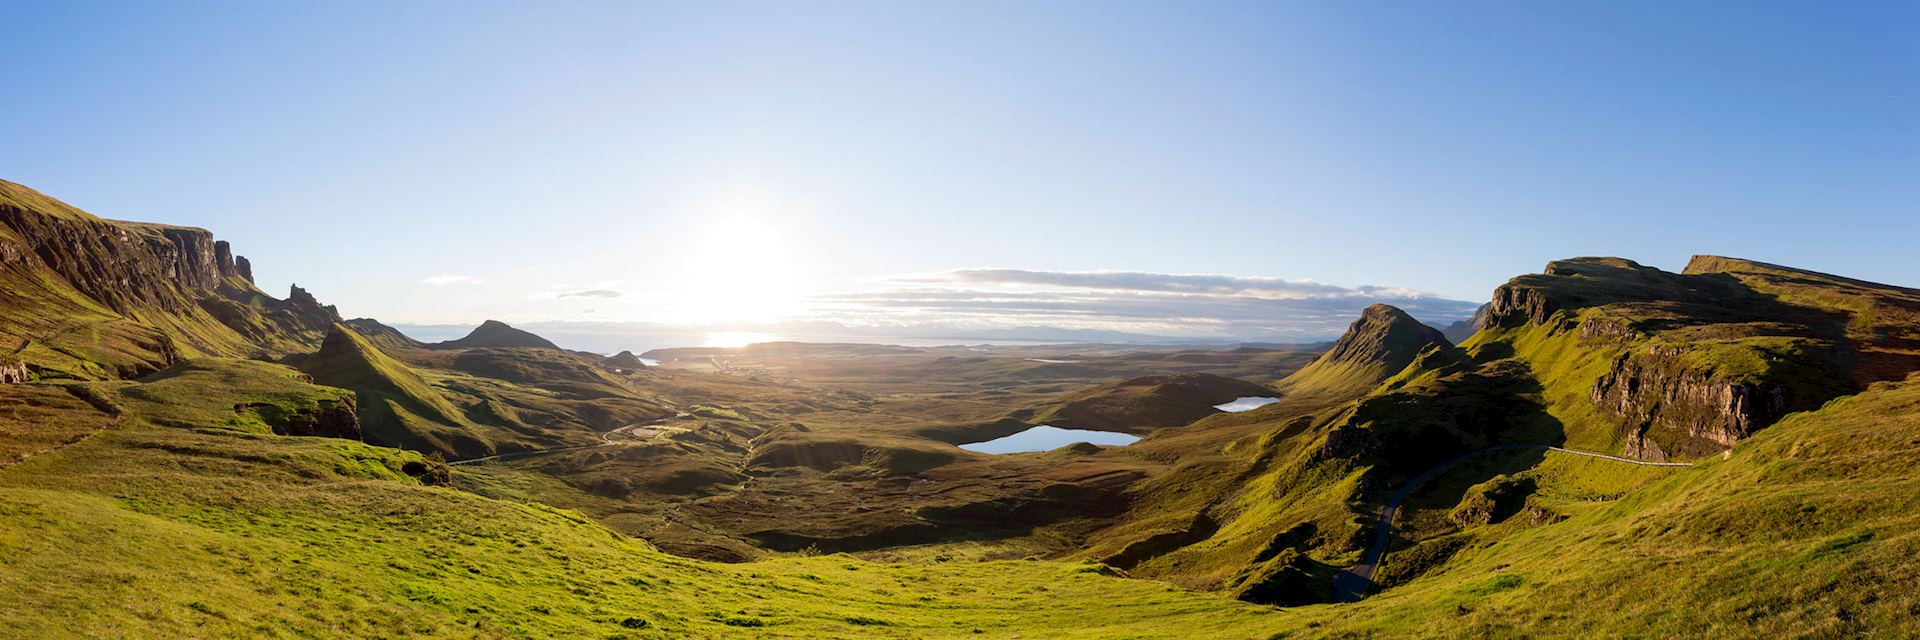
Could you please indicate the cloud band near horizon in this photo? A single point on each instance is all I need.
(1243, 307)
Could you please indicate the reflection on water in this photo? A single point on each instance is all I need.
(1045, 438)
(1246, 403)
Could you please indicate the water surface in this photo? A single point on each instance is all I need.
(1046, 438)
(1246, 403)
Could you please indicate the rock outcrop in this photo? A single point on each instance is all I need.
(13, 372)
(1514, 305)
(1695, 362)
(328, 419)
(223, 258)
(1670, 409)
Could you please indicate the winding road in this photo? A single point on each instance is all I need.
(606, 440)
(1353, 584)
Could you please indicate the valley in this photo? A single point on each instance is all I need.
(1727, 451)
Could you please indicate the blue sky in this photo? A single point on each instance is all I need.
(430, 162)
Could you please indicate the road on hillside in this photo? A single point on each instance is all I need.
(1353, 584)
(606, 440)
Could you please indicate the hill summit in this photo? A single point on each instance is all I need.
(623, 360)
(397, 407)
(1379, 344)
(494, 333)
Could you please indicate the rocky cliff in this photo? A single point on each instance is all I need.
(1688, 364)
(89, 297)
(1671, 409)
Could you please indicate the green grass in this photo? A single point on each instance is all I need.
(1806, 531)
(299, 537)
(1803, 532)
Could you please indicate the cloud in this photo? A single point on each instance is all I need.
(1212, 284)
(590, 293)
(443, 280)
(1242, 307)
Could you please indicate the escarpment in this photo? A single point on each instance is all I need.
(1670, 409)
(122, 266)
(1513, 305)
(91, 298)
(1686, 365)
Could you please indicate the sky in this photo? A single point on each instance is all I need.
(1253, 170)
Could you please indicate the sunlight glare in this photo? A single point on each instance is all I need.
(736, 339)
(741, 270)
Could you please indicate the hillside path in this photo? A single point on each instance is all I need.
(1352, 584)
(606, 440)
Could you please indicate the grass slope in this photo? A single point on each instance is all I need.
(1808, 529)
(317, 537)
(397, 407)
(1378, 345)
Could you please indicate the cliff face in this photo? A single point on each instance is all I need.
(1514, 304)
(88, 297)
(121, 266)
(1689, 363)
(1670, 409)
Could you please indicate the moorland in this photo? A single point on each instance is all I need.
(1725, 451)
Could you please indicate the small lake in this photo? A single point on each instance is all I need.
(1045, 438)
(1246, 403)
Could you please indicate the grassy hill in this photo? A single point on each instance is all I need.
(1802, 531)
(494, 333)
(182, 456)
(1379, 345)
(289, 536)
(397, 407)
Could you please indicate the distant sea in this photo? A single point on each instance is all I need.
(613, 340)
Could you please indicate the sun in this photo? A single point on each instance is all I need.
(738, 269)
